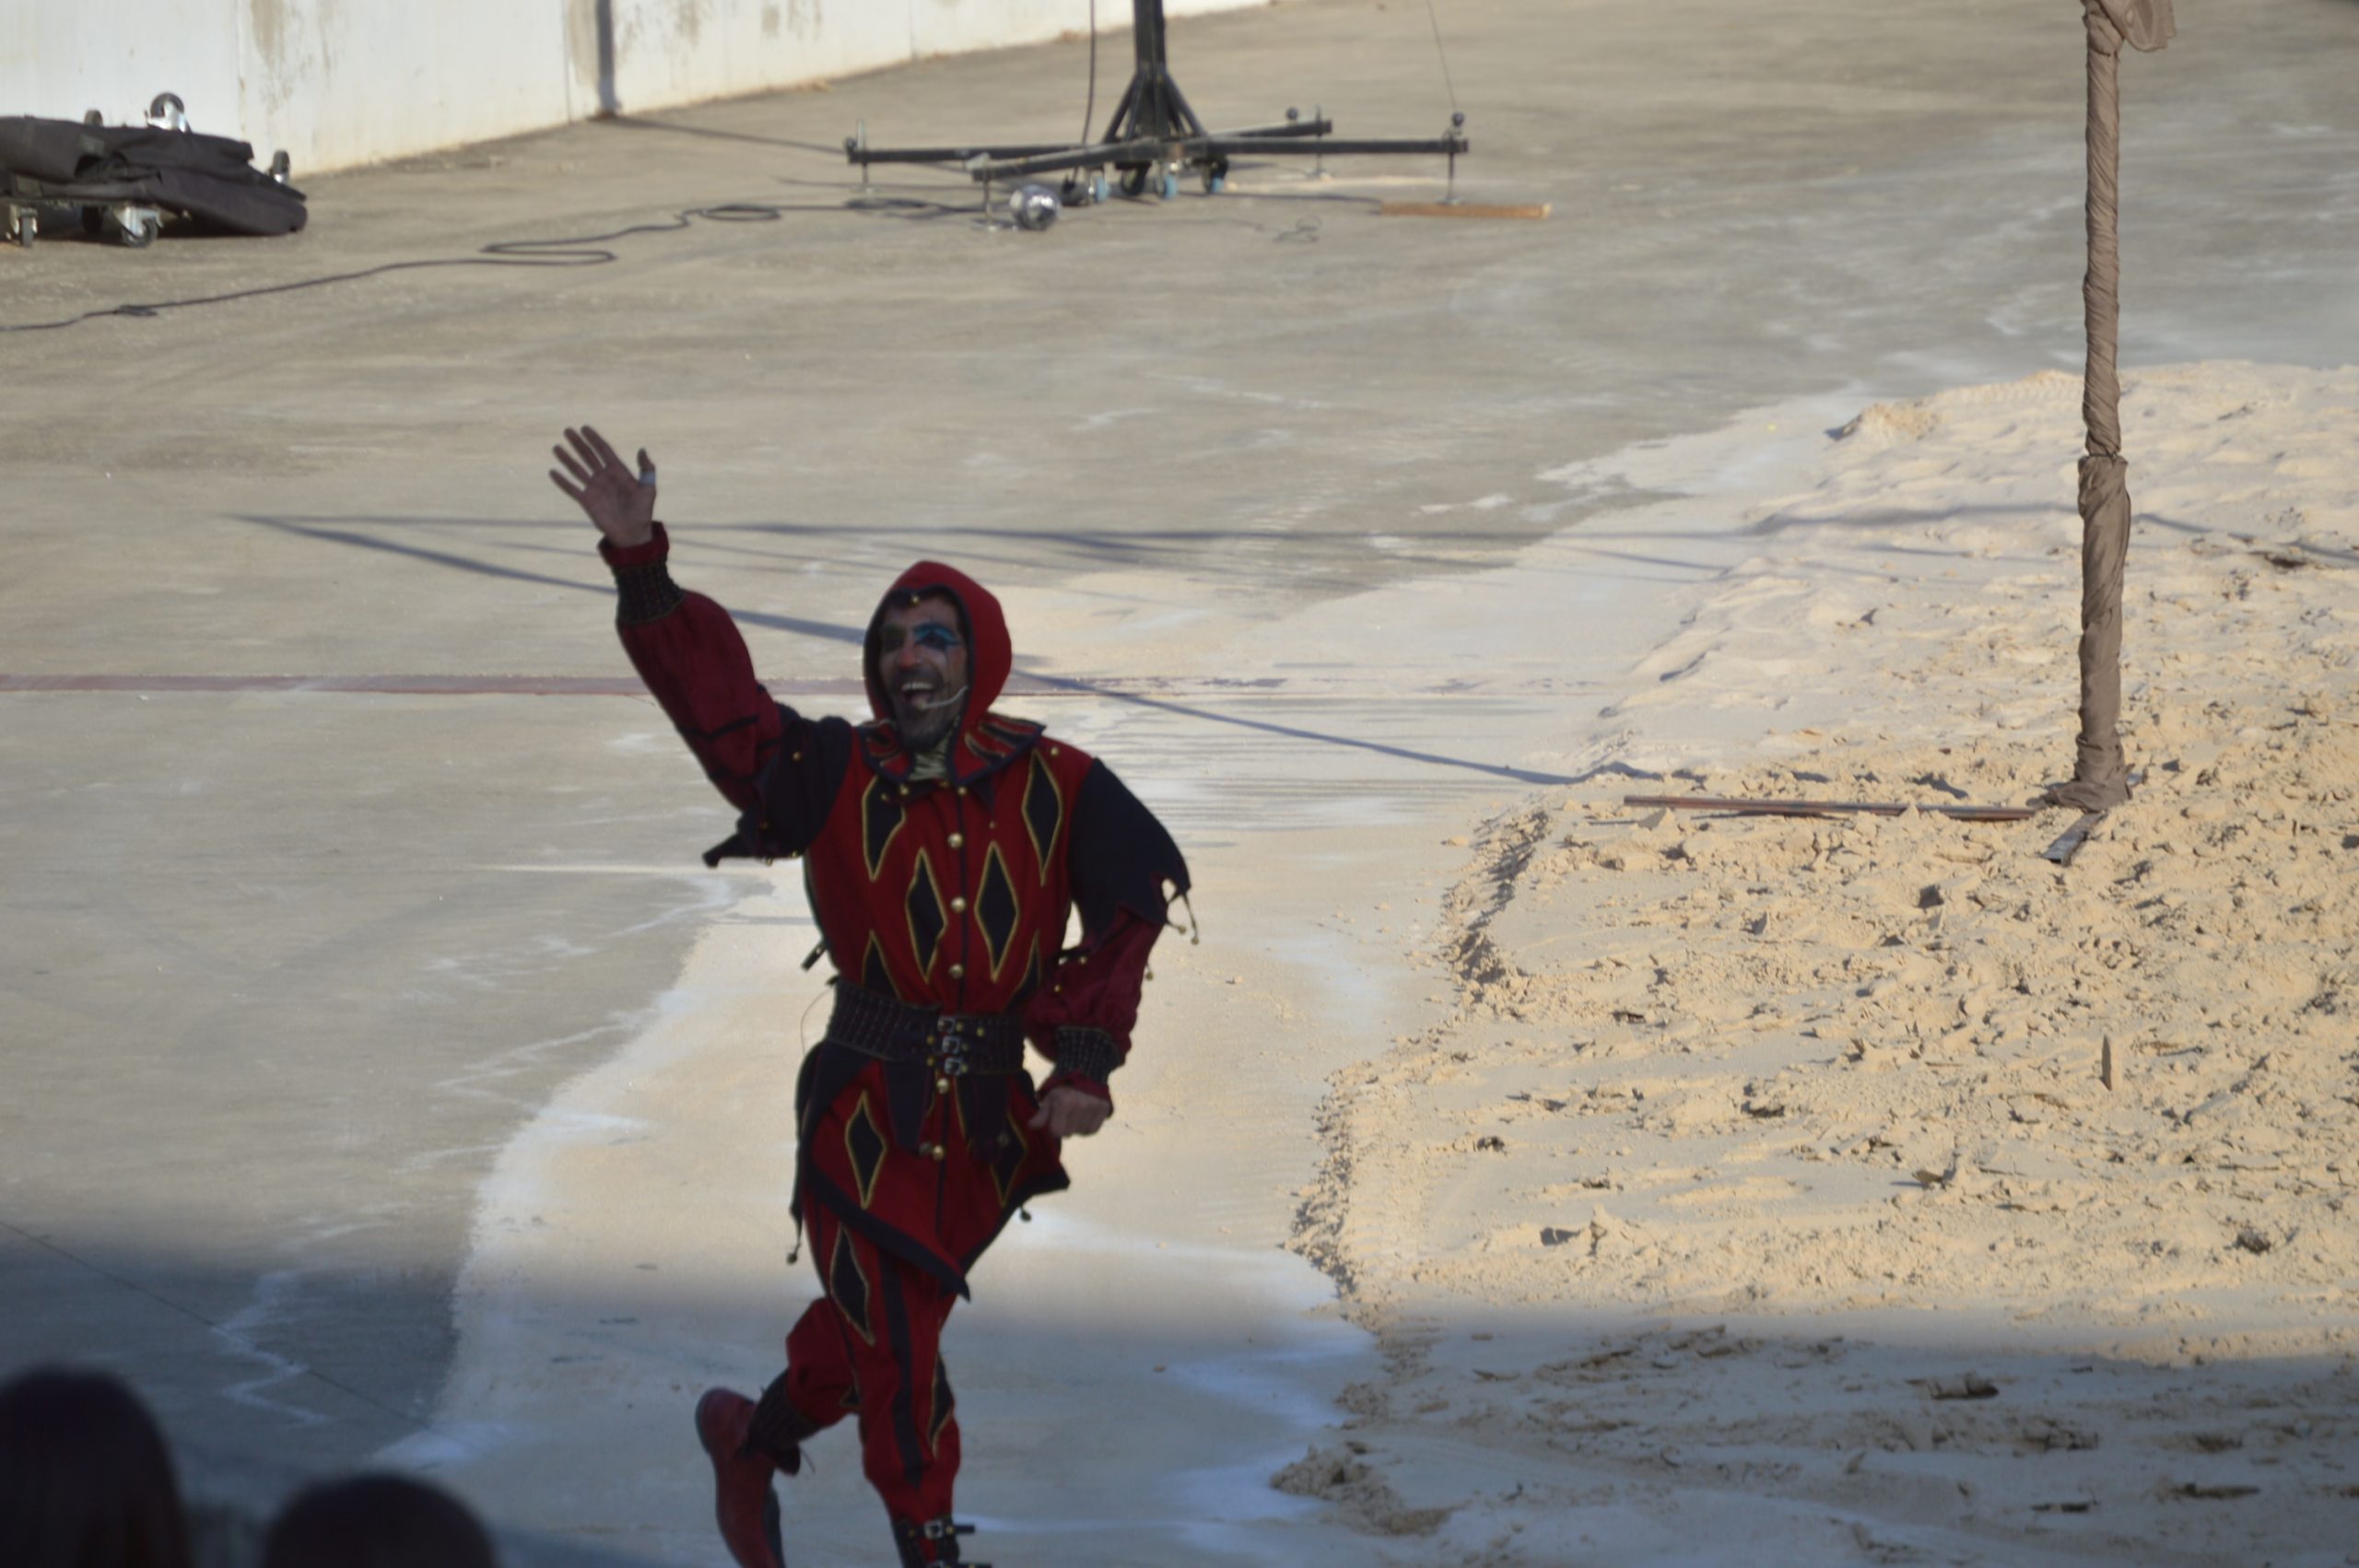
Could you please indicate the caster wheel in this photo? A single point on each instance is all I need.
(1134, 181)
(281, 166)
(23, 227)
(1034, 207)
(134, 228)
(1169, 186)
(1217, 177)
(1097, 187)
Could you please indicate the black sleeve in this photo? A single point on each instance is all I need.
(797, 789)
(1121, 857)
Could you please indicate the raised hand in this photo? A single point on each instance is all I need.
(619, 499)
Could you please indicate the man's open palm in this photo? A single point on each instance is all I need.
(617, 498)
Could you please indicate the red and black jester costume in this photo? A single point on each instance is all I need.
(944, 903)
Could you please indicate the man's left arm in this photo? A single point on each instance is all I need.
(1121, 863)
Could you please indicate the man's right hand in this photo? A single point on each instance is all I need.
(619, 499)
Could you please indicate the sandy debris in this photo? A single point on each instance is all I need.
(1898, 1068)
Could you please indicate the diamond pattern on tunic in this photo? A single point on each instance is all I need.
(997, 909)
(1044, 812)
(881, 817)
(876, 974)
(848, 1287)
(1008, 1160)
(864, 1145)
(927, 920)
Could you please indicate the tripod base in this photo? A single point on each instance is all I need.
(1153, 128)
(1136, 157)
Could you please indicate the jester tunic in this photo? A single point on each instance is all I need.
(950, 894)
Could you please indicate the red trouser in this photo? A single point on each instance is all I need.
(873, 1344)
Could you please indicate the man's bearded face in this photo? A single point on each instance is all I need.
(921, 663)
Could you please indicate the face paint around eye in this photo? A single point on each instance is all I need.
(933, 635)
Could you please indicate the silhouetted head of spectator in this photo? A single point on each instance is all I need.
(376, 1521)
(86, 1480)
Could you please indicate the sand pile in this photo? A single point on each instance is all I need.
(1769, 1067)
(1856, 1060)
(1863, 1061)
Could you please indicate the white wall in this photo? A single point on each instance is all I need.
(341, 82)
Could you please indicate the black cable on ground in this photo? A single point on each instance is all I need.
(581, 252)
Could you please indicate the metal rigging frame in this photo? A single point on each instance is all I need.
(1152, 130)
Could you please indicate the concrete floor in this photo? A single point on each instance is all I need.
(284, 971)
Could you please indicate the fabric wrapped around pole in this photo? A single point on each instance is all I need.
(2100, 777)
(2147, 25)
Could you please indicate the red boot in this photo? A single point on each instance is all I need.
(744, 1504)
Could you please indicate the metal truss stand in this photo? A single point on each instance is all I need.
(1151, 136)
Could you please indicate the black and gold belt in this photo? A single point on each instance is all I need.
(952, 1045)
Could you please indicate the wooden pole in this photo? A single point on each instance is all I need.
(2100, 775)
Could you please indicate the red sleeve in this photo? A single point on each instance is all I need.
(1083, 1017)
(688, 652)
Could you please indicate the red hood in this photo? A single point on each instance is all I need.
(988, 654)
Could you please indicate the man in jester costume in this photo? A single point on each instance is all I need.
(944, 847)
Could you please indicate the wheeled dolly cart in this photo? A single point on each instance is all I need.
(122, 182)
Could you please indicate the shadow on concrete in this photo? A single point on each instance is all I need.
(823, 630)
(1140, 547)
(1929, 1437)
(836, 150)
(855, 636)
(257, 1409)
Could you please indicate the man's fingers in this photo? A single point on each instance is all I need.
(1039, 1120)
(573, 466)
(646, 469)
(604, 451)
(593, 460)
(558, 480)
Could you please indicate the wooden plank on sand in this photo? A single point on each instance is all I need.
(1829, 808)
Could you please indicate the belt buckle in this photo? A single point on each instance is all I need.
(950, 1046)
